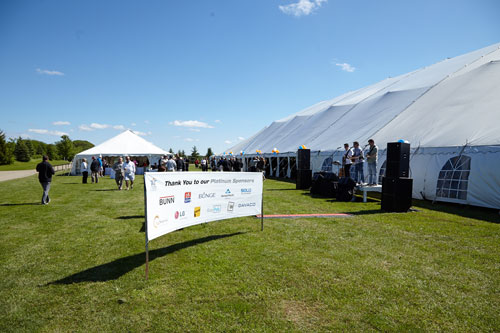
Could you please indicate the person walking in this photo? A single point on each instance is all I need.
(371, 161)
(45, 172)
(171, 165)
(129, 168)
(85, 171)
(94, 169)
(119, 173)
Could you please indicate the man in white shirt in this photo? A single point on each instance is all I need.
(129, 168)
(171, 165)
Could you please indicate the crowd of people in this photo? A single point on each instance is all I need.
(353, 162)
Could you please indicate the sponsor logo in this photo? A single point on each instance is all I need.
(153, 183)
(246, 191)
(197, 211)
(167, 200)
(227, 194)
(157, 222)
(247, 204)
(180, 214)
(215, 209)
(187, 197)
(206, 195)
(230, 206)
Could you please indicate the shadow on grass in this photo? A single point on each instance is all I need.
(143, 228)
(467, 211)
(130, 217)
(116, 268)
(281, 189)
(106, 190)
(21, 204)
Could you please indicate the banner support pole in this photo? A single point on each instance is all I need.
(146, 228)
(262, 206)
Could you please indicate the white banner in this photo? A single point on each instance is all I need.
(175, 200)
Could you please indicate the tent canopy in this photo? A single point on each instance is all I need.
(126, 143)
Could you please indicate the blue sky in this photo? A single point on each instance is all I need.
(210, 73)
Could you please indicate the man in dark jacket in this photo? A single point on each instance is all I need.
(94, 169)
(45, 172)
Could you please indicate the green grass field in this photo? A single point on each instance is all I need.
(28, 165)
(78, 265)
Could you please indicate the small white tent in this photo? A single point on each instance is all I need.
(126, 143)
(449, 112)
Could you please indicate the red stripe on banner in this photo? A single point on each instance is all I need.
(303, 215)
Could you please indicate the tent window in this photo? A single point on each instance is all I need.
(381, 173)
(327, 165)
(453, 178)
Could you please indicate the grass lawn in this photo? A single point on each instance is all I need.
(78, 265)
(31, 165)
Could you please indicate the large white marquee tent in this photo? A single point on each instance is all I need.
(126, 143)
(449, 112)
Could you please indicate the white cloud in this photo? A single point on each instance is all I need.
(346, 67)
(241, 138)
(142, 133)
(84, 127)
(217, 121)
(227, 142)
(189, 139)
(99, 126)
(47, 132)
(190, 123)
(303, 7)
(119, 127)
(194, 129)
(133, 124)
(47, 72)
(60, 123)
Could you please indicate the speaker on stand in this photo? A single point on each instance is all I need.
(397, 187)
(304, 172)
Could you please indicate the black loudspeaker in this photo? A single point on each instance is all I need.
(304, 159)
(325, 184)
(396, 194)
(345, 189)
(398, 160)
(304, 179)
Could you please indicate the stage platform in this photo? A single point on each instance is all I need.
(365, 189)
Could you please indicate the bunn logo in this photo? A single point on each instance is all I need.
(197, 211)
(246, 191)
(187, 197)
(246, 204)
(206, 195)
(167, 200)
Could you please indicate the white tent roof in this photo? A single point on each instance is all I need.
(125, 143)
(451, 103)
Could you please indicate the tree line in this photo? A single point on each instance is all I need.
(23, 150)
(194, 153)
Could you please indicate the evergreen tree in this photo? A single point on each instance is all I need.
(31, 149)
(40, 149)
(209, 152)
(21, 152)
(65, 148)
(194, 153)
(171, 151)
(183, 153)
(6, 156)
(51, 152)
(179, 152)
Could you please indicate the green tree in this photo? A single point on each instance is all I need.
(183, 153)
(6, 155)
(31, 149)
(209, 152)
(51, 152)
(81, 145)
(194, 153)
(171, 151)
(40, 149)
(21, 151)
(65, 148)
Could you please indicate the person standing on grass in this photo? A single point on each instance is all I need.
(171, 165)
(371, 161)
(129, 168)
(45, 172)
(94, 169)
(119, 173)
(85, 171)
